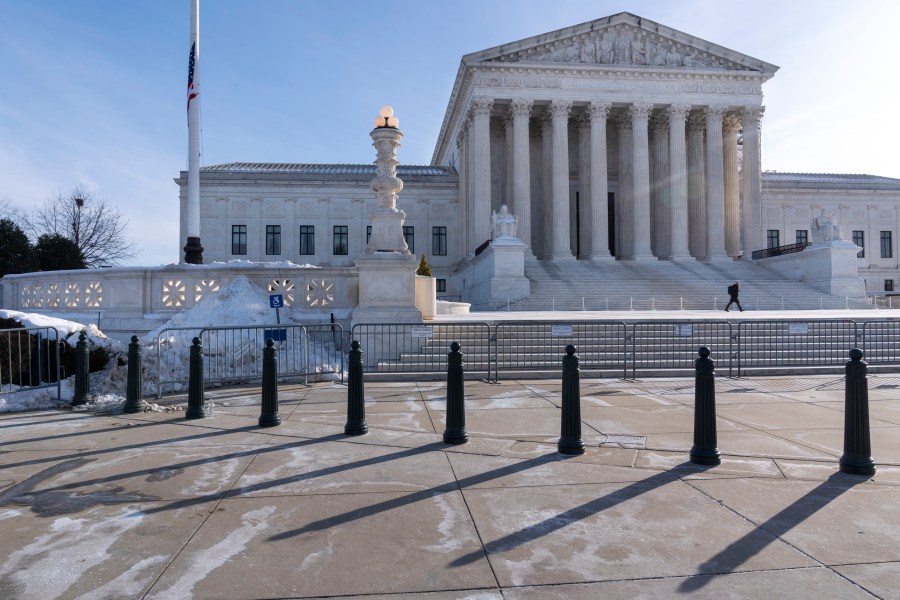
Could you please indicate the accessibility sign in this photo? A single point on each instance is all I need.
(276, 301)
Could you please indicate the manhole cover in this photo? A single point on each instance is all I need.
(632, 441)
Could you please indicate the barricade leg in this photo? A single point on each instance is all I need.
(356, 407)
(455, 432)
(196, 404)
(705, 450)
(857, 457)
(268, 416)
(570, 441)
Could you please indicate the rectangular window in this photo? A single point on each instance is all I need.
(859, 238)
(273, 239)
(368, 234)
(409, 236)
(239, 239)
(307, 239)
(887, 250)
(772, 240)
(341, 240)
(441, 285)
(439, 241)
(802, 236)
(889, 285)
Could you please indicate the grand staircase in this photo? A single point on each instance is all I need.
(664, 285)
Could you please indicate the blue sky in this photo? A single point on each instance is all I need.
(93, 91)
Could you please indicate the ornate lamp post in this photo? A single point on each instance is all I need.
(387, 219)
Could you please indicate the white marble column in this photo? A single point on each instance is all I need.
(730, 127)
(462, 161)
(715, 185)
(521, 186)
(547, 184)
(481, 175)
(678, 182)
(623, 209)
(752, 222)
(640, 114)
(584, 221)
(599, 188)
(559, 112)
(696, 164)
(660, 204)
(506, 195)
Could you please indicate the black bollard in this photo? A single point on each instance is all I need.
(705, 450)
(857, 457)
(196, 408)
(134, 387)
(570, 441)
(455, 433)
(82, 382)
(268, 417)
(356, 407)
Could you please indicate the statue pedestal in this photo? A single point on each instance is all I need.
(387, 289)
(497, 275)
(827, 266)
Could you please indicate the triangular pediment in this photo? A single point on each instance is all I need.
(622, 40)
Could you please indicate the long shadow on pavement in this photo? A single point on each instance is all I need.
(742, 550)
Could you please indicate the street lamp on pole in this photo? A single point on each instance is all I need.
(76, 221)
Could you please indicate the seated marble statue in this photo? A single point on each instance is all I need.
(503, 223)
(824, 229)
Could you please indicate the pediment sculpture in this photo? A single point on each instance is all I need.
(624, 46)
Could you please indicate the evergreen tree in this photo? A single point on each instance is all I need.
(17, 255)
(55, 252)
(423, 269)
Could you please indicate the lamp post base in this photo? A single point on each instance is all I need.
(193, 251)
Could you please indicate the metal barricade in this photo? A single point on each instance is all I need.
(233, 354)
(29, 359)
(880, 340)
(540, 345)
(422, 348)
(778, 345)
(672, 345)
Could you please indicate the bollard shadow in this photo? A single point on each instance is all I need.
(72, 434)
(754, 542)
(578, 513)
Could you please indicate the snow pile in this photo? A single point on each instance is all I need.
(68, 330)
(112, 404)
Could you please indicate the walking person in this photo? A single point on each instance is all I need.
(733, 291)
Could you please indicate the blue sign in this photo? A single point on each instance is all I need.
(276, 301)
(276, 335)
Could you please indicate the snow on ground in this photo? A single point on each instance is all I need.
(240, 303)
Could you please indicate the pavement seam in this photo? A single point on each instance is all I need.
(203, 522)
(474, 523)
(776, 536)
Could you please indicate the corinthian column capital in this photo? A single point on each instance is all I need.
(696, 121)
(599, 109)
(481, 106)
(678, 111)
(640, 110)
(715, 112)
(752, 113)
(560, 108)
(731, 123)
(521, 108)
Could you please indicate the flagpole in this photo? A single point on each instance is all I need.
(193, 251)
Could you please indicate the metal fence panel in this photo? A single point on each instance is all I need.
(540, 345)
(880, 340)
(673, 345)
(30, 359)
(233, 354)
(776, 344)
(423, 348)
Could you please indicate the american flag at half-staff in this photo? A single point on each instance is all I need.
(192, 93)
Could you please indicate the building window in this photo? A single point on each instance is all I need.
(441, 285)
(772, 240)
(368, 234)
(802, 236)
(889, 285)
(273, 239)
(239, 239)
(886, 246)
(859, 238)
(409, 236)
(439, 241)
(341, 240)
(307, 239)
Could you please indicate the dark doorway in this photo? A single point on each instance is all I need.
(611, 221)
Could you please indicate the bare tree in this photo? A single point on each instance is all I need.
(96, 226)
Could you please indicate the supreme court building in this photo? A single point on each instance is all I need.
(617, 139)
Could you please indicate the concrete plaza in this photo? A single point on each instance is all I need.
(155, 506)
